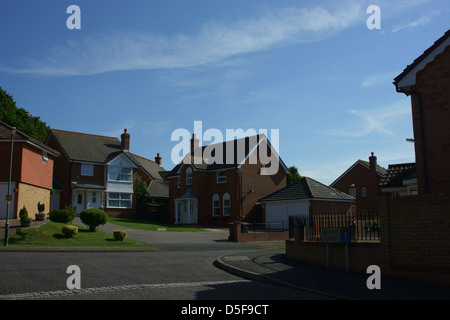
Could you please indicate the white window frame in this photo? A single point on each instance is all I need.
(221, 177)
(120, 176)
(87, 170)
(121, 199)
(216, 205)
(226, 207)
(189, 176)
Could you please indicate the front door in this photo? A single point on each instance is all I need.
(79, 200)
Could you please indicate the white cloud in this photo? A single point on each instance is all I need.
(376, 121)
(380, 78)
(420, 22)
(213, 43)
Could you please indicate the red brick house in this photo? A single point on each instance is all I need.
(31, 175)
(217, 194)
(100, 172)
(427, 82)
(361, 181)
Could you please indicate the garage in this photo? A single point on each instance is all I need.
(303, 198)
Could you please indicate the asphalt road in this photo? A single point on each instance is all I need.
(167, 275)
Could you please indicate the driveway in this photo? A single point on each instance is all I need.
(212, 238)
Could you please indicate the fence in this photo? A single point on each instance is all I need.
(364, 225)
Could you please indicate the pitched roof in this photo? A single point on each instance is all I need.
(5, 134)
(420, 62)
(158, 189)
(397, 173)
(307, 189)
(100, 149)
(380, 170)
(249, 145)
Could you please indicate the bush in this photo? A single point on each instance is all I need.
(61, 215)
(70, 231)
(23, 214)
(119, 235)
(93, 218)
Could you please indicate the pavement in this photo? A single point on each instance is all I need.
(255, 262)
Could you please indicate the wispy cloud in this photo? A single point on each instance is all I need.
(376, 121)
(420, 22)
(213, 43)
(379, 78)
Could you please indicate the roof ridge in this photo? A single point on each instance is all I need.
(142, 157)
(84, 134)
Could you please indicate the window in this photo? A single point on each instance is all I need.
(363, 191)
(216, 205)
(352, 192)
(221, 176)
(119, 200)
(188, 176)
(119, 173)
(87, 170)
(226, 204)
(178, 182)
(94, 197)
(79, 199)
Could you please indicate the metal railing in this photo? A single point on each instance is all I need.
(364, 225)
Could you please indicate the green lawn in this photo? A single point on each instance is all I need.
(151, 225)
(50, 233)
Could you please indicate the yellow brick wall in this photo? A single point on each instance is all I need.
(29, 196)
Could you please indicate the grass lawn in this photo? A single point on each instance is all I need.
(151, 225)
(50, 233)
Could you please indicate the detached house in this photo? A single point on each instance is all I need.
(31, 174)
(221, 192)
(427, 81)
(361, 181)
(100, 172)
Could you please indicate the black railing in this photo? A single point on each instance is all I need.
(364, 225)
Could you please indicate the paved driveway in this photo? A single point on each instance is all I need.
(216, 237)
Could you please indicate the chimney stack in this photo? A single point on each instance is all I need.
(125, 140)
(194, 142)
(373, 163)
(158, 159)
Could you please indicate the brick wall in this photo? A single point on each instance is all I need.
(433, 82)
(250, 236)
(414, 241)
(34, 170)
(29, 196)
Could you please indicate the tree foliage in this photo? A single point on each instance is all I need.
(293, 175)
(21, 119)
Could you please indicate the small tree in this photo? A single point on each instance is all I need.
(293, 175)
(141, 190)
(93, 218)
(23, 214)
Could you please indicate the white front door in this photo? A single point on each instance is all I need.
(78, 200)
(94, 199)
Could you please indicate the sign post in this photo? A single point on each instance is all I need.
(337, 235)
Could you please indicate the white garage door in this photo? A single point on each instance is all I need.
(3, 193)
(277, 214)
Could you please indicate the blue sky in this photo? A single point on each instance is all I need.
(311, 69)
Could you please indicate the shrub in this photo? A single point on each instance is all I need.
(93, 217)
(41, 207)
(23, 214)
(70, 231)
(61, 215)
(119, 235)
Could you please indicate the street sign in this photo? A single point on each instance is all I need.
(336, 235)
